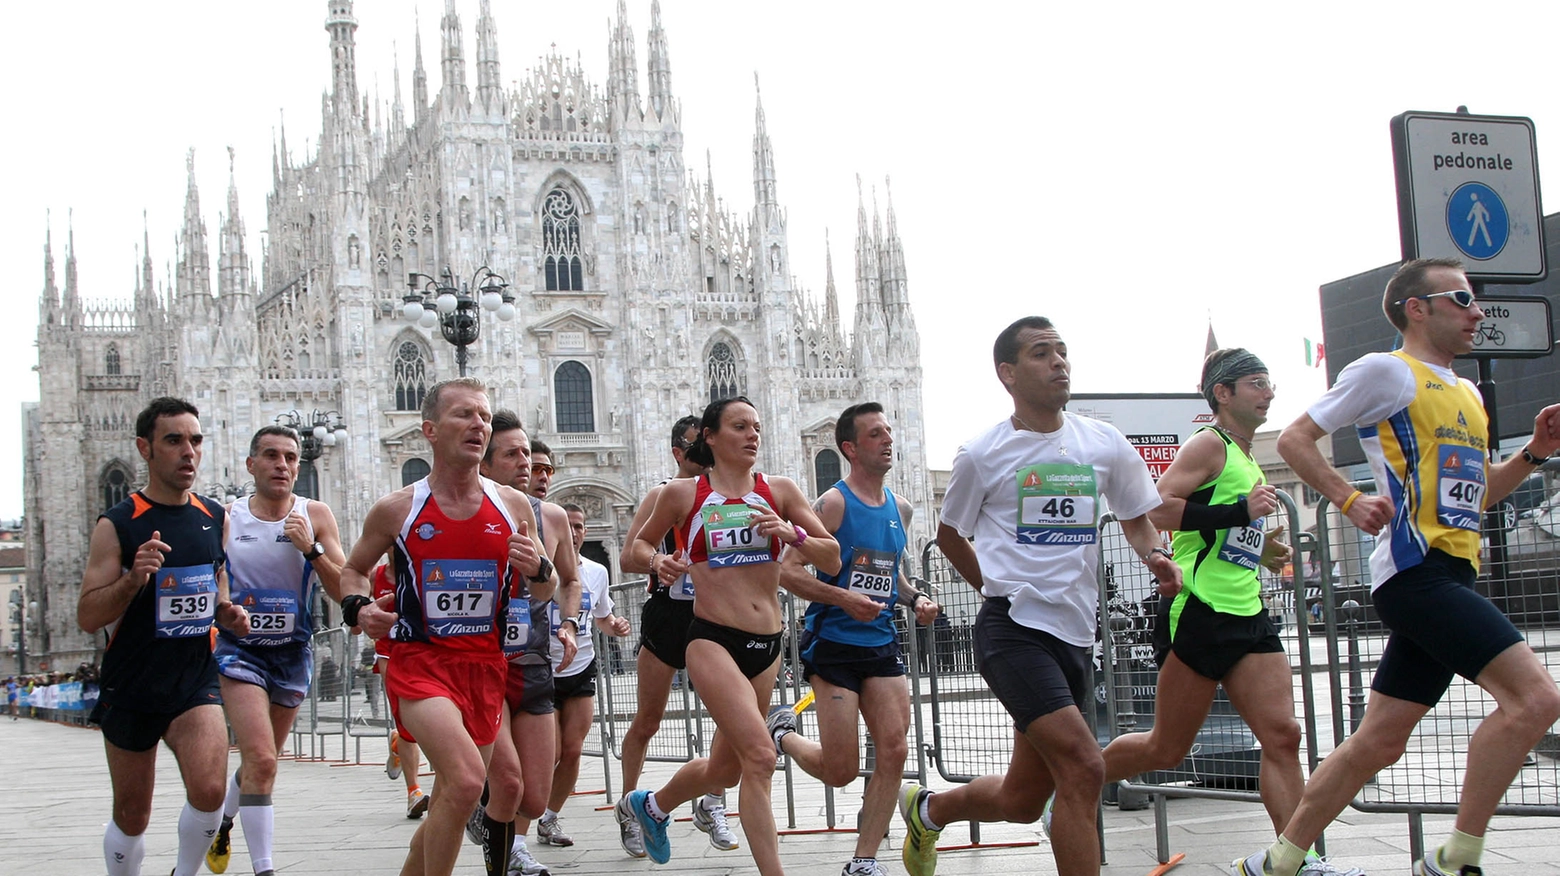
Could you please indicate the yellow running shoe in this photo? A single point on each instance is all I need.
(221, 848)
(920, 851)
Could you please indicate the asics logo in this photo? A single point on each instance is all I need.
(754, 643)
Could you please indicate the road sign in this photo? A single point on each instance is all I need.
(1512, 328)
(1468, 189)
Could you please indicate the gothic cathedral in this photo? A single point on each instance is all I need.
(638, 298)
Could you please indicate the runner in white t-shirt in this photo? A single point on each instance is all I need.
(1029, 491)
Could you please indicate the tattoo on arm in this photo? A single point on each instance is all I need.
(817, 505)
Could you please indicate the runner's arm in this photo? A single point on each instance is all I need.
(1199, 460)
(795, 576)
(1297, 445)
(327, 565)
(627, 560)
(960, 552)
(1509, 473)
(674, 497)
(818, 547)
(106, 587)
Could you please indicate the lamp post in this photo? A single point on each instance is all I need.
(440, 301)
(230, 493)
(317, 429)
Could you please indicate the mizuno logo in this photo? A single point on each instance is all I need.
(492, 529)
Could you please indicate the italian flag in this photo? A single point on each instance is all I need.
(1314, 353)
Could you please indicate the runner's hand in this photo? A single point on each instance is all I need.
(570, 647)
(618, 626)
(1274, 552)
(1371, 513)
(670, 567)
(1168, 572)
(297, 531)
(1261, 501)
(861, 607)
(926, 611)
(376, 618)
(148, 559)
(1546, 431)
(236, 621)
(522, 551)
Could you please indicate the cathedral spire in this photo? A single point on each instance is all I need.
(397, 110)
(896, 295)
(49, 301)
(194, 261)
(452, 91)
(343, 55)
(147, 299)
(232, 260)
(660, 65)
(831, 298)
(419, 80)
(490, 89)
(623, 73)
(72, 300)
(871, 328)
(763, 164)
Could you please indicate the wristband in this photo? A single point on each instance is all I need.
(1349, 502)
(1530, 459)
(801, 535)
(350, 606)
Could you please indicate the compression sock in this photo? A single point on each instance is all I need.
(122, 853)
(1284, 857)
(258, 817)
(497, 839)
(196, 829)
(1460, 850)
(230, 803)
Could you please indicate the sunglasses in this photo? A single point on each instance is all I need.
(1461, 297)
(1261, 384)
(541, 468)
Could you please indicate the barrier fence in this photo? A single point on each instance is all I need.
(959, 729)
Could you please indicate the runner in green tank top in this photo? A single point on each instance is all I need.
(1217, 631)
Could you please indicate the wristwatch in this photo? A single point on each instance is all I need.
(315, 552)
(570, 620)
(1530, 459)
(1162, 551)
(544, 571)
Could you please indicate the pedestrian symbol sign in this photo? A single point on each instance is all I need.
(1468, 189)
(1477, 221)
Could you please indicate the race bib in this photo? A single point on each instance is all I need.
(1460, 487)
(729, 538)
(460, 597)
(273, 615)
(1243, 545)
(186, 601)
(872, 572)
(517, 627)
(1056, 504)
(583, 619)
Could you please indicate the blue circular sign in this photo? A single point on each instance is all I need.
(1477, 221)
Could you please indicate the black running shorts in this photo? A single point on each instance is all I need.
(1032, 672)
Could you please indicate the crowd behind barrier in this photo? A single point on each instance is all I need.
(958, 728)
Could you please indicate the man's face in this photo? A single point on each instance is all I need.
(172, 454)
(873, 449)
(541, 474)
(1247, 400)
(459, 433)
(1447, 326)
(274, 467)
(577, 529)
(1041, 376)
(509, 459)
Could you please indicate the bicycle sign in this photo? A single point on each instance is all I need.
(1513, 328)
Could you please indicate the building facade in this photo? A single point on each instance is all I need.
(639, 298)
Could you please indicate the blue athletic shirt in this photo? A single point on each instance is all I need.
(871, 542)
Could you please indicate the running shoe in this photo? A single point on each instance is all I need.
(1251, 865)
(393, 762)
(416, 803)
(549, 832)
(475, 830)
(1430, 865)
(711, 818)
(781, 721)
(521, 863)
(221, 847)
(652, 829)
(1316, 865)
(877, 870)
(1045, 815)
(920, 851)
(629, 835)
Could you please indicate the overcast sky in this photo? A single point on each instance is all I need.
(1127, 169)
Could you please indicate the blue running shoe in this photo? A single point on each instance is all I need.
(653, 829)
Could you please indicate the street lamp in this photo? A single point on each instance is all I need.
(230, 493)
(317, 429)
(453, 308)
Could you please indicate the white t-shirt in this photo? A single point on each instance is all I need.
(595, 601)
(1032, 502)
(1369, 390)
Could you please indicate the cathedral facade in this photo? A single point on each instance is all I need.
(638, 298)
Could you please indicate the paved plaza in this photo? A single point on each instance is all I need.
(348, 819)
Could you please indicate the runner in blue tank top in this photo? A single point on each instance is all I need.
(850, 652)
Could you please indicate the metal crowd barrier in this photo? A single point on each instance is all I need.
(346, 698)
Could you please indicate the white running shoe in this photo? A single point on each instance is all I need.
(522, 864)
(711, 818)
(549, 832)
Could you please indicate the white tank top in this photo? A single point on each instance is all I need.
(268, 575)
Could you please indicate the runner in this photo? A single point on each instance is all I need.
(405, 760)
(461, 543)
(1028, 490)
(1217, 630)
(1425, 434)
(279, 546)
(574, 692)
(663, 643)
(520, 774)
(159, 680)
(850, 653)
(732, 545)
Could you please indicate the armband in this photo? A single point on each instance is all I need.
(1196, 517)
(350, 606)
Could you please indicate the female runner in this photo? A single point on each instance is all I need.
(734, 522)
